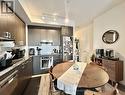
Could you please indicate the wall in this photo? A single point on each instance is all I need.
(85, 36)
(112, 19)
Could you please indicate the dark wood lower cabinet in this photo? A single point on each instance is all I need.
(9, 84)
(114, 68)
(16, 84)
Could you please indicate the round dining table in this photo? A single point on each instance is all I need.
(92, 77)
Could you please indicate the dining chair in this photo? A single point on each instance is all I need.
(53, 87)
(114, 91)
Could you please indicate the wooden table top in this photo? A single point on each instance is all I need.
(92, 77)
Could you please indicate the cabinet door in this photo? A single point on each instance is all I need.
(3, 24)
(56, 37)
(29, 69)
(8, 85)
(24, 75)
(43, 35)
(67, 31)
(36, 65)
(11, 23)
(34, 37)
(20, 32)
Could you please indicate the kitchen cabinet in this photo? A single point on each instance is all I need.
(67, 31)
(13, 24)
(19, 32)
(114, 69)
(55, 35)
(57, 59)
(8, 83)
(34, 37)
(16, 80)
(24, 76)
(36, 65)
(37, 35)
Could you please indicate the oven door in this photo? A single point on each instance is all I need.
(46, 62)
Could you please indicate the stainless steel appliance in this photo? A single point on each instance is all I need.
(18, 53)
(46, 62)
(99, 53)
(109, 53)
(38, 50)
(42, 63)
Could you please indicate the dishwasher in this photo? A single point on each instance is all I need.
(8, 84)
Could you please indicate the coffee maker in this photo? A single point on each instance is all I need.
(99, 53)
(109, 53)
(18, 53)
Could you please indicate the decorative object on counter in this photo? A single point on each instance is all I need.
(7, 35)
(55, 50)
(93, 58)
(31, 51)
(110, 36)
(38, 50)
(75, 67)
(86, 56)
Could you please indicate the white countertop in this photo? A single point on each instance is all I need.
(52, 54)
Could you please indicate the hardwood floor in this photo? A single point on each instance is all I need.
(33, 87)
(39, 85)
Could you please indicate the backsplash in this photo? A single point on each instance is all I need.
(45, 48)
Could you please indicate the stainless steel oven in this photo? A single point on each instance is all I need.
(46, 62)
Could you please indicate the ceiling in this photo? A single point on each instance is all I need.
(81, 12)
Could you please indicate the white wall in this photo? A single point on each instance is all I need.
(85, 36)
(112, 19)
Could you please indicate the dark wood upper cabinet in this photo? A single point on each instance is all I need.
(13, 24)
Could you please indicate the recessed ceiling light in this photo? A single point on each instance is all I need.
(55, 14)
(66, 20)
(54, 19)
